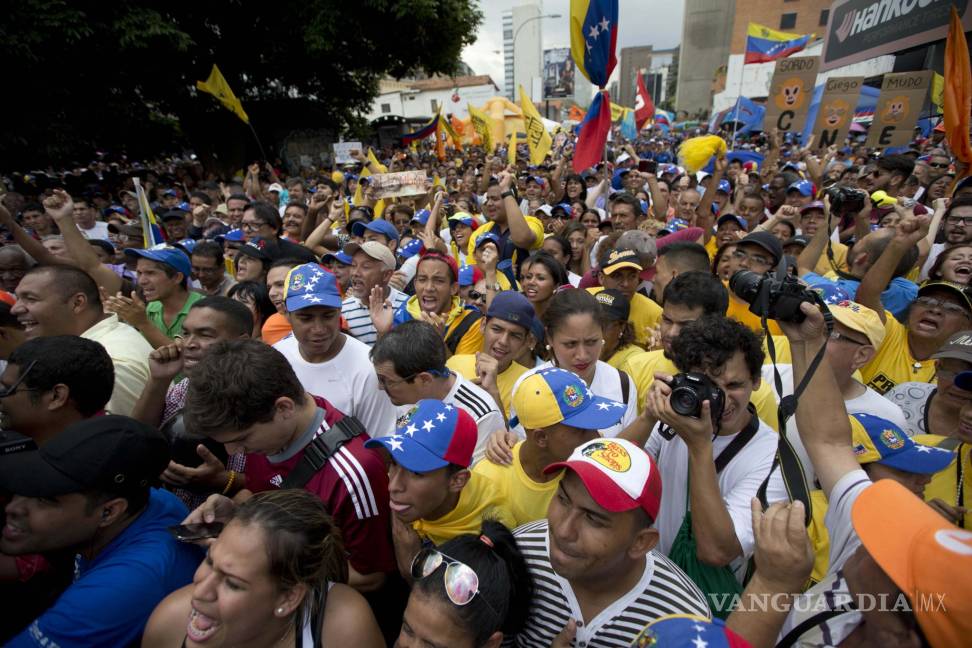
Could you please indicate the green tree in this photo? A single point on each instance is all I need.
(120, 75)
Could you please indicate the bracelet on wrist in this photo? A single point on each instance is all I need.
(229, 482)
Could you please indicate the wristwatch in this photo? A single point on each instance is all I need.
(495, 287)
(507, 194)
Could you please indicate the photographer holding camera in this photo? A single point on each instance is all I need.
(718, 455)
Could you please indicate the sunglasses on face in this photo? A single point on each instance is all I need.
(476, 296)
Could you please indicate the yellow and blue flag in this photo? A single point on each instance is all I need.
(430, 129)
(151, 232)
(594, 38)
(764, 45)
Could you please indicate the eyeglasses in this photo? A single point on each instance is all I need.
(251, 225)
(386, 382)
(12, 389)
(836, 336)
(741, 255)
(475, 295)
(959, 220)
(461, 582)
(948, 307)
(939, 165)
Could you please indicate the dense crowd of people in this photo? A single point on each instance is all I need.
(637, 405)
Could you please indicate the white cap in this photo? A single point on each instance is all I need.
(276, 186)
(624, 157)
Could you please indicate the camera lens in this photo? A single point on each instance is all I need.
(685, 401)
(745, 284)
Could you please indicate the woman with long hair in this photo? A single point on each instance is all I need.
(275, 576)
(541, 276)
(953, 264)
(557, 246)
(469, 592)
(254, 296)
(576, 234)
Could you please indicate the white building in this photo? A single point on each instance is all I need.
(754, 80)
(420, 100)
(522, 48)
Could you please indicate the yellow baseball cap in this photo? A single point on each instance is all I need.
(555, 395)
(878, 440)
(861, 319)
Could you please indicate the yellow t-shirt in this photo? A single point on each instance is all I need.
(465, 366)
(620, 357)
(526, 500)
(944, 484)
(711, 246)
(819, 536)
(643, 366)
(894, 364)
(479, 499)
(644, 316)
(472, 339)
(823, 266)
(739, 311)
(536, 226)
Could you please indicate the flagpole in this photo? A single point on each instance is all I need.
(263, 154)
(735, 120)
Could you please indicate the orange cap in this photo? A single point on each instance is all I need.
(927, 557)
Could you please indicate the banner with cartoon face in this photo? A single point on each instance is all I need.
(836, 112)
(898, 107)
(791, 93)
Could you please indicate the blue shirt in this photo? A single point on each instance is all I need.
(112, 596)
(896, 298)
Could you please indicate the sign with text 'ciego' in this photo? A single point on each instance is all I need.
(836, 110)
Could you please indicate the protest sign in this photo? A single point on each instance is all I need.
(342, 151)
(901, 100)
(836, 112)
(790, 93)
(403, 183)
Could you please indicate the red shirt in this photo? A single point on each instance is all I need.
(353, 485)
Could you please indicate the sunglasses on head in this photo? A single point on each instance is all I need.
(460, 581)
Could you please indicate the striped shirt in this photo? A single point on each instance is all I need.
(663, 589)
(481, 406)
(358, 317)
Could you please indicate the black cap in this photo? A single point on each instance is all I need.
(799, 239)
(174, 214)
(767, 241)
(613, 304)
(114, 453)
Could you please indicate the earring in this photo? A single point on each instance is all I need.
(547, 347)
(603, 341)
(280, 611)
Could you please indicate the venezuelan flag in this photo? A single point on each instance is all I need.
(594, 38)
(151, 232)
(764, 45)
(428, 130)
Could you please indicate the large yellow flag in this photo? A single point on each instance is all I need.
(538, 139)
(373, 160)
(482, 123)
(216, 85)
(450, 130)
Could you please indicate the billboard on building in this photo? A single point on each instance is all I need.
(863, 29)
(558, 73)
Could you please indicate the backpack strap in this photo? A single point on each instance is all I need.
(455, 336)
(730, 451)
(625, 386)
(321, 449)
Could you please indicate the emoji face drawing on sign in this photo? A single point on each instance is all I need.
(835, 112)
(792, 95)
(895, 109)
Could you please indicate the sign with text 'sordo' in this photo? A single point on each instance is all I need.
(899, 104)
(836, 111)
(791, 92)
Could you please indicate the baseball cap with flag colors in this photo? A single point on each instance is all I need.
(310, 285)
(878, 440)
(926, 556)
(555, 395)
(434, 435)
(688, 631)
(619, 475)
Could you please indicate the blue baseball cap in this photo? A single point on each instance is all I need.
(805, 187)
(163, 253)
(555, 395)
(565, 207)
(410, 249)
(830, 291)
(676, 224)
(434, 435)
(733, 217)
(309, 285)
(878, 440)
(513, 307)
(170, 192)
(688, 631)
(487, 236)
(340, 256)
(116, 209)
(724, 187)
(536, 179)
(379, 226)
(232, 235)
(468, 275)
(187, 244)
(422, 216)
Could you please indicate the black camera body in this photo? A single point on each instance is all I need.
(846, 200)
(780, 294)
(690, 389)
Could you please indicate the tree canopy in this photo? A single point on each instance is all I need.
(121, 75)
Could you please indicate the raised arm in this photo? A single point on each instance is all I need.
(807, 260)
(520, 232)
(703, 211)
(909, 230)
(61, 208)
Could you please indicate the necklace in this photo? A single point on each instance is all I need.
(915, 367)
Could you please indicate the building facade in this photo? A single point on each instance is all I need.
(522, 48)
(706, 38)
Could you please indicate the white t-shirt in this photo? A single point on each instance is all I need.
(738, 483)
(912, 399)
(348, 381)
(99, 231)
(477, 402)
(936, 249)
(606, 384)
(573, 278)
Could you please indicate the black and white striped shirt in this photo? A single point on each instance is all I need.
(356, 314)
(663, 589)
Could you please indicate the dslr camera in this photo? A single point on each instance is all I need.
(846, 200)
(777, 296)
(689, 390)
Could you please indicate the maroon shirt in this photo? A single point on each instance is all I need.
(353, 485)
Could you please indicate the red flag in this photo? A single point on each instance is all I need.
(958, 90)
(593, 132)
(644, 106)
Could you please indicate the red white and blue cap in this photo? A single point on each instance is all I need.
(688, 631)
(434, 435)
(553, 395)
(310, 285)
(421, 216)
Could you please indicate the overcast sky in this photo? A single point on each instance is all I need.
(642, 22)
